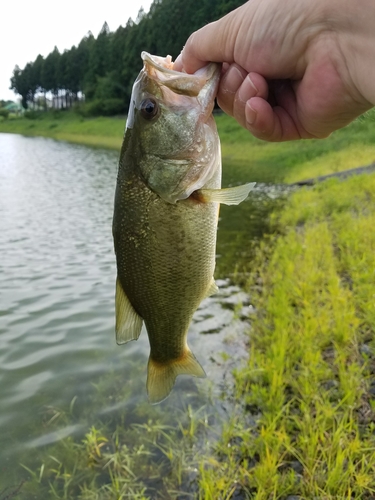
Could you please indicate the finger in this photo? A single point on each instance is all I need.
(177, 65)
(254, 85)
(268, 123)
(229, 84)
(214, 42)
(274, 117)
(236, 88)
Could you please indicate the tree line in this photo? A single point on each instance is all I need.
(102, 70)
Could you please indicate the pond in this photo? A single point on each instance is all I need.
(62, 376)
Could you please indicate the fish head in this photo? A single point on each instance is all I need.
(172, 128)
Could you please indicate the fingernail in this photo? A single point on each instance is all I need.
(247, 89)
(225, 67)
(250, 113)
(232, 80)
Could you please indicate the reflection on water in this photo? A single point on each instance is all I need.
(60, 368)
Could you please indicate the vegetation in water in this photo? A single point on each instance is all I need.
(136, 452)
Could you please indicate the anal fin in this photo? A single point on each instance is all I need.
(162, 376)
(128, 322)
(212, 289)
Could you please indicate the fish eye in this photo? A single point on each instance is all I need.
(149, 108)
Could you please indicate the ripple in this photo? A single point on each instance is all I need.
(57, 274)
(30, 386)
(55, 436)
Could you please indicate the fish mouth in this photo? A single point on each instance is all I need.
(202, 84)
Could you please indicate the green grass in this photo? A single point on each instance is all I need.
(307, 424)
(67, 126)
(120, 459)
(347, 148)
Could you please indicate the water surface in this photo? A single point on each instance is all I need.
(60, 368)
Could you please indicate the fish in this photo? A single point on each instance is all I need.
(165, 218)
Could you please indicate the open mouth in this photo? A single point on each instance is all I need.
(204, 81)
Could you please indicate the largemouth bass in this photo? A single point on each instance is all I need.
(166, 214)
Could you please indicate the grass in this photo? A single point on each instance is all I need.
(308, 421)
(147, 460)
(137, 452)
(67, 126)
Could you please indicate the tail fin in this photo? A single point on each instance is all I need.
(162, 376)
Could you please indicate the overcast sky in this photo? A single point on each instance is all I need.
(32, 28)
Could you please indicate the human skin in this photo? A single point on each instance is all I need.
(292, 69)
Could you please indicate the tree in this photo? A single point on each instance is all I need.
(24, 83)
(37, 77)
(104, 69)
(50, 72)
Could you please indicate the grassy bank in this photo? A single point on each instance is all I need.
(100, 132)
(244, 157)
(307, 394)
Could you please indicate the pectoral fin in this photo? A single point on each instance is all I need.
(128, 322)
(161, 376)
(227, 196)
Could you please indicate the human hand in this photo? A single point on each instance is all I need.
(293, 69)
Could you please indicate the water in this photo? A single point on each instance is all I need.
(60, 369)
(56, 274)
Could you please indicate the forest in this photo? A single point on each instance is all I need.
(97, 75)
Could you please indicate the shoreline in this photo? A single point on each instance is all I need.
(245, 158)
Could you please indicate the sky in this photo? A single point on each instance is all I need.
(29, 29)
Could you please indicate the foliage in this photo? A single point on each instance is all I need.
(103, 107)
(4, 113)
(104, 68)
(30, 114)
(143, 452)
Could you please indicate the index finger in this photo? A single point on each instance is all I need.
(213, 43)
